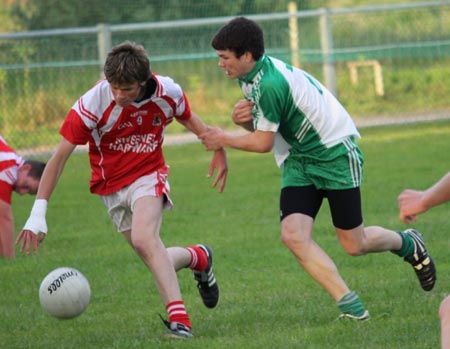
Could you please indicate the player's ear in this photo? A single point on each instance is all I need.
(25, 168)
(248, 57)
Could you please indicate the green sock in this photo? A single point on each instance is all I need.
(407, 245)
(351, 304)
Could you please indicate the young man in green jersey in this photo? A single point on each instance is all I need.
(313, 139)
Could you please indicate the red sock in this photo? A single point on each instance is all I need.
(199, 258)
(177, 313)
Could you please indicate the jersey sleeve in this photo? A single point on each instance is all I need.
(74, 129)
(174, 95)
(183, 109)
(269, 106)
(5, 192)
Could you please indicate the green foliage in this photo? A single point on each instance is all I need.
(267, 300)
(40, 106)
(46, 14)
(21, 15)
(407, 91)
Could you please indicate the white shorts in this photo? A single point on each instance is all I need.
(120, 204)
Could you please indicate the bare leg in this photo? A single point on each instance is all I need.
(180, 257)
(296, 235)
(360, 240)
(444, 314)
(145, 239)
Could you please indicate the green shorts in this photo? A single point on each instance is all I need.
(338, 167)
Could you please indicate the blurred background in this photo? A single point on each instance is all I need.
(381, 58)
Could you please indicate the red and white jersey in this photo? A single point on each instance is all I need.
(124, 143)
(9, 166)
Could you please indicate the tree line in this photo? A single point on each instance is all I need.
(25, 15)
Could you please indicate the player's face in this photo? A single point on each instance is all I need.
(25, 184)
(125, 94)
(233, 66)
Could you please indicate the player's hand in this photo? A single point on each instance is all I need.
(33, 233)
(219, 162)
(29, 240)
(211, 138)
(242, 114)
(410, 204)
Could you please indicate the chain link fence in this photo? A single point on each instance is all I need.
(379, 60)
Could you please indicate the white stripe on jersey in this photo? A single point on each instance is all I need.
(164, 105)
(8, 173)
(354, 162)
(303, 130)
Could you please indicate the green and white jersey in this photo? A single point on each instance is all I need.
(305, 116)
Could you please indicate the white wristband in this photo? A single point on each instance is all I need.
(36, 222)
(39, 207)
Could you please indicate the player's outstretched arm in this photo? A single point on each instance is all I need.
(257, 141)
(6, 230)
(414, 202)
(35, 228)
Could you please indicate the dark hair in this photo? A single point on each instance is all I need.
(127, 63)
(240, 35)
(37, 168)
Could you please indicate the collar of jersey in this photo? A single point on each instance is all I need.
(249, 77)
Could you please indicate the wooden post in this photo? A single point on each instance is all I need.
(377, 74)
(326, 43)
(293, 34)
(104, 44)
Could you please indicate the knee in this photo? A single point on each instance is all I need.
(285, 239)
(354, 241)
(141, 246)
(291, 238)
(138, 246)
(354, 249)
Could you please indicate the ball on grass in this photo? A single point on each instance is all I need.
(65, 293)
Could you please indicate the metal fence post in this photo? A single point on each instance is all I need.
(326, 43)
(103, 43)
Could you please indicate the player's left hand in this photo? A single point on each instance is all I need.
(219, 162)
(29, 240)
(242, 114)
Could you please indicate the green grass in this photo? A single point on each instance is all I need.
(267, 300)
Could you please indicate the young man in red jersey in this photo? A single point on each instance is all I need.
(123, 119)
(21, 176)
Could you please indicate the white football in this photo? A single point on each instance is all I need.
(64, 293)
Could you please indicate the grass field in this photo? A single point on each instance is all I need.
(267, 300)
